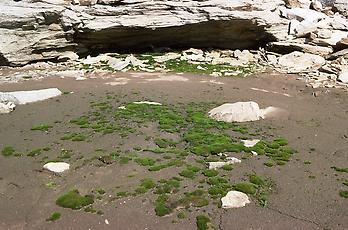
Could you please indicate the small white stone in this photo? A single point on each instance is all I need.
(147, 102)
(57, 167)
(234, 199)
(7, 107)
(106, 221)
(250, 143)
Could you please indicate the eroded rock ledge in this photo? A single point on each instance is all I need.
(39, 31)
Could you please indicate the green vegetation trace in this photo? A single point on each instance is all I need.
(196, 140)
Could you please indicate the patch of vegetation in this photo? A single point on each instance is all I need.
(74, 137)
(55, 216)
(337, 169)
(167, 186)
(182, 215)
(41, 127)
(161, 206)
(307, 162)
(204, 223)
(206, 143)
(258, 187)
(34, 153)
(145, 185)
(165, 143)
(227, 167)
(8, 151)
(210, 172)
(196, 198)
(74, 200)
(65, 154)
(145, 161)
(189, 172)
(176, 162)
(344, 194)
(123, 194)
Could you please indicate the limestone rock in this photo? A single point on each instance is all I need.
(341, 6)
(287, 47)
(343, 77)
(237, 112)
(297, 62)
(220, 164)
(250, 143)
(234, 199)
(57, 167)
(7, 107)
(31, 96)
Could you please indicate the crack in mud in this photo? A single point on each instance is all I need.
(295, 217)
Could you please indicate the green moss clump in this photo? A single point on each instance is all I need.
(83, 121)
(161, 206)
(145, 185)
(8, 151)
(145, 161)
(210, 172)
(74, 200)
(41, 127)
(337, 169)
(165, 143)
(204, 223)
(227, 167)
(74, 137)
(34, 153)
(257, 180)
(344, 194)
(281, 141)
(245, 187)
(55, 216)
(167, 186)
(182, 215)
(196, 198)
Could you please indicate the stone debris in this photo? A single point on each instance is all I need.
(306, 37)
(250, 143)
(234, 199)
(57, 167)
(220, 164)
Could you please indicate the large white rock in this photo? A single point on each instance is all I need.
(234, 199)
(297, 62)
(30, 96)
(237, 112)
(57, 167)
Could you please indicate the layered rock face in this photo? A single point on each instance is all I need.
(37, 31)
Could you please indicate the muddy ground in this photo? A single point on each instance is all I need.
(304, 193)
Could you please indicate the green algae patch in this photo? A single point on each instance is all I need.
(41, 127)
(74, 137)
(343, 194)
(337, 169)
(74, 200)
(245, 187)
(55, 216)
(8, 151)
(203, 223)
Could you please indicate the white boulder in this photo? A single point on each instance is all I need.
(57, 167)
(30, 96)
(297, 62)
(234, 199)
(237, 112)
(343, 77)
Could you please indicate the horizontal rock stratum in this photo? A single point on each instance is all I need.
(39, 31)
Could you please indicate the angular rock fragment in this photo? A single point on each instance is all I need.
(234, 199)
(250, 143)
(297, 62)
(220, 164)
